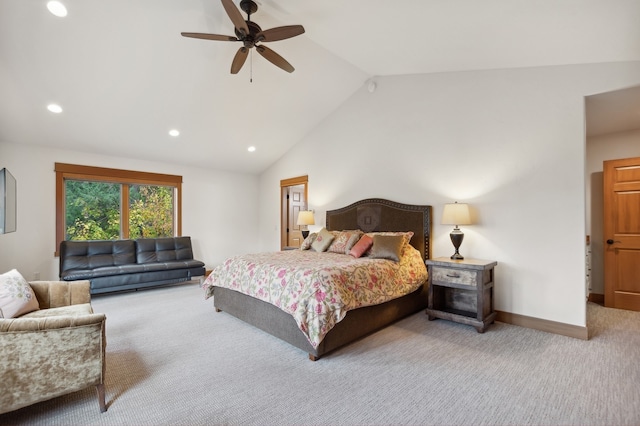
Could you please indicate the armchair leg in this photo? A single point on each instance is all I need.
(100, 390)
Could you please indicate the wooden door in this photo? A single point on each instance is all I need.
(296, 203)
(294, 198)
(622, 234)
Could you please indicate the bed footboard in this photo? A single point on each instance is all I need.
(357, 323)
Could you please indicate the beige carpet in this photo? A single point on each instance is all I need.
(171, 359)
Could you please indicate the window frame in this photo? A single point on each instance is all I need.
(89, 173)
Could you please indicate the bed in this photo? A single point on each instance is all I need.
(371, 216)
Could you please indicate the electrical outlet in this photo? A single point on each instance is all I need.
(36, 276)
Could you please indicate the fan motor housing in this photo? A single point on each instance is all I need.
(249, 6)
(250, 39)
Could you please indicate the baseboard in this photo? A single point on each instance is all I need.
(596, 298)
(563, 329)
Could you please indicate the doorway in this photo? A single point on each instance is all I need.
(293, 199)
(612, 132)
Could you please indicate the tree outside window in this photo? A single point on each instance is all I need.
(109, 204)
(92, 210)
(150, 211)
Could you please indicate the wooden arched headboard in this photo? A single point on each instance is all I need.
(376, 214)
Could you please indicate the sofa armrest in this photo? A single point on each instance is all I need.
(55, 294)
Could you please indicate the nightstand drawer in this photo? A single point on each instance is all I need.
(455, 276)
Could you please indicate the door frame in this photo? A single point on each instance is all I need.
(284, 185)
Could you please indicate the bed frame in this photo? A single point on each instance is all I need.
(369, 215)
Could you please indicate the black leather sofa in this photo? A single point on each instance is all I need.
(129, 264)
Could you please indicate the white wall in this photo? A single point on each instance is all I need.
(219, 208)
(509, 142)
(613, 146)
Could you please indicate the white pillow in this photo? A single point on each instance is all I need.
(16, 295)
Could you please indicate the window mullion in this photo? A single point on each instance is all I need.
(124, 210)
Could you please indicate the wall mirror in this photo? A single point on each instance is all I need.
(7, 202)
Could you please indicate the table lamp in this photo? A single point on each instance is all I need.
(305, 217)
(456, 214)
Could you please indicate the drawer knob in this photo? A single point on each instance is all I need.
(453, 275)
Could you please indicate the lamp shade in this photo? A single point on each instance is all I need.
(305, 217)
(456, 214)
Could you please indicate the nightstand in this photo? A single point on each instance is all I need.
(461, 291)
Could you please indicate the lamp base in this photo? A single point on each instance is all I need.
(456, 238)
(305, 234)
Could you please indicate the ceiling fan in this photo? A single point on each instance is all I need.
(250, 34)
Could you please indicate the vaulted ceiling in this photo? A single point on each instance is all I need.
(124, 76)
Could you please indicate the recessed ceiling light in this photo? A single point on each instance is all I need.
(251, 148)
(55, 108)
(57, 8)
(174, 132)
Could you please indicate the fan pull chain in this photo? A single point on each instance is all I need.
(251, 66)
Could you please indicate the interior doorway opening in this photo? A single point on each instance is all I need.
(612, 133)
(293, 199)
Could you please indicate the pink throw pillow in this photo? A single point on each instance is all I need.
(361, 246)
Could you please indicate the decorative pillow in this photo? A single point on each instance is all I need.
(344, 241)
(387, 247)
(407, 235)
(306, 244)
(361, 246)
(355, 237)
(323, 240)
(16, 295)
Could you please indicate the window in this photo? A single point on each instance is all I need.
(95, 203)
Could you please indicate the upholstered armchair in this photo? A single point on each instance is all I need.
(55, 350)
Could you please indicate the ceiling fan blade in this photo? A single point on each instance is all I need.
(210, 36)
(235, 16)
(274, 58)
(239, 59)
(280, 33)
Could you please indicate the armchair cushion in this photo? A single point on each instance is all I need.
(16, 296)
(62, 311)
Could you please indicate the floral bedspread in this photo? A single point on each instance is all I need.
(318, 289)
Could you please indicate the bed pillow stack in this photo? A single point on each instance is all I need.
(376, 245)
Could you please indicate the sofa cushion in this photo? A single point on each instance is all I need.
(107, 271)
(16, 295)
(96, 254)
(153, 250)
